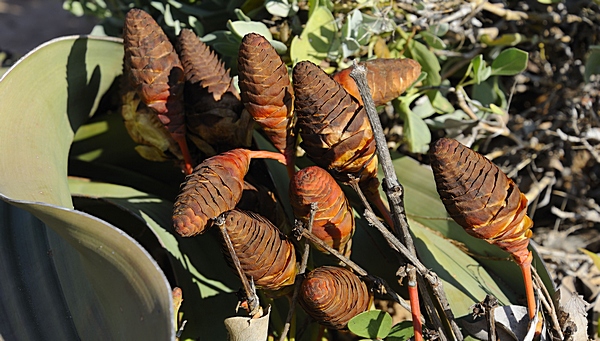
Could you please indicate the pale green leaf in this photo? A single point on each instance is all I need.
(241, 28)
(207, 282)
(428, 60)
(109, 286)
(510, 62)
(481, 71)
(44, 98)
(374, 324)
(96, 279)
(416, 131)
(433, 40)
(282, 8)
(318, 39)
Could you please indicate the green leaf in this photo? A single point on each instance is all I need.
(39, 120)
(374, 324)
(439, 29)
(428, 60)
(595, 258)
(592, 63)
(282, 8)
(96, 279)
(318, 39)
(510, 62)
(416, 132)
(401, 331)
(481, 71)
(433, 40)
(241, 28)
(105, 284)
(198, 264)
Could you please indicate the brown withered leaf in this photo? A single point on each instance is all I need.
(266, 91)
(155, 143)
(333, 295)
(480, 197)
(214, 187)
(387, 78)
(333, 221)
(266, 255)
(155, 72)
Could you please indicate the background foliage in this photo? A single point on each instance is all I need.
(465, 48)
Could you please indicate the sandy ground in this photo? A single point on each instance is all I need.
(25, 24)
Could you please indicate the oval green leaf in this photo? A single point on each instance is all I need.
(373, 324)
(318, 39)
(510, 62)
(401, 331)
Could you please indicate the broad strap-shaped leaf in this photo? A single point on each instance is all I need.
(196, 263)
(109, 283)
(39, 120)
(109, 286)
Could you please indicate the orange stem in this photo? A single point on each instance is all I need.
(290, 159)
(187, 158)
(415, 309)
(526, 271)
(264, 154)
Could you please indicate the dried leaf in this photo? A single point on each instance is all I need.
(387, 78)
(572, 314)
(333, 222)
(333, 295)
(241, 328)
(145, 129)
(266, 255)
(214, 187)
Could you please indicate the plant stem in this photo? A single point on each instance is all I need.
(393, 189)
(413, 294)
(527, 279)
(490, 303)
